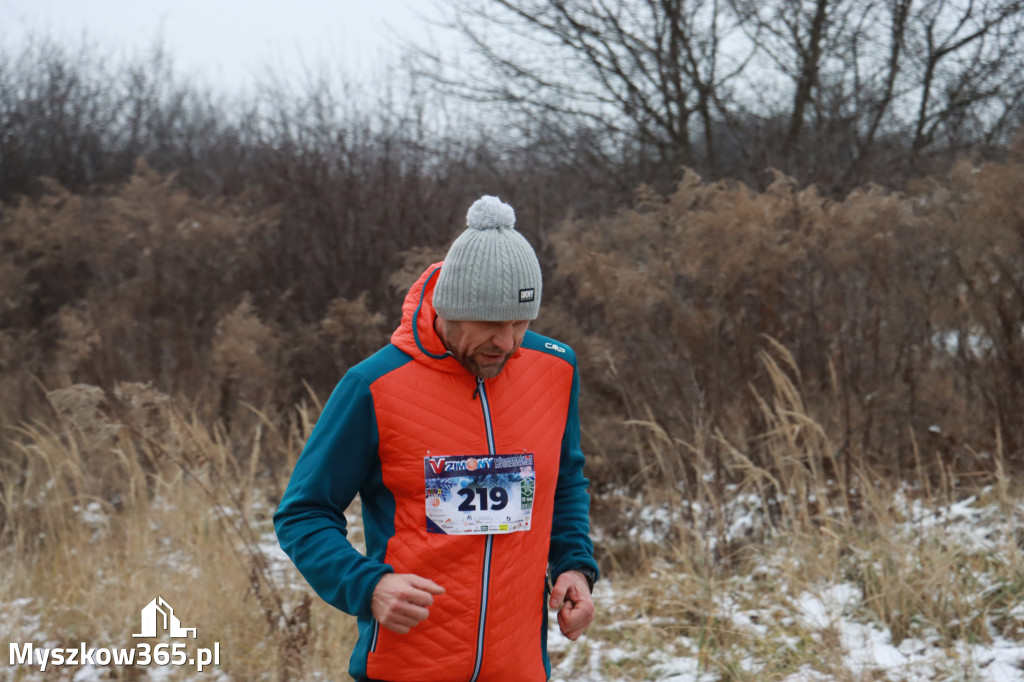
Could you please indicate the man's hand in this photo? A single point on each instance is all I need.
(571, 598)
(401, 600)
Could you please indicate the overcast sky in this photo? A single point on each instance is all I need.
(229, 42)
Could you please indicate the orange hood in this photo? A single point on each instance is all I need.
(415, 333)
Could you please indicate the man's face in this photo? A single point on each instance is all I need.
(483, 348)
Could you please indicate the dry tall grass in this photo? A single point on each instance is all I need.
(127, 498)
(722, 575)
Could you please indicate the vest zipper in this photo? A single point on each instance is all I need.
(488, 544)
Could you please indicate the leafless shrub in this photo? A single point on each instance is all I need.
(82, 408)
(244, 359)
(684, 292)
(127, 285)
(352, 330)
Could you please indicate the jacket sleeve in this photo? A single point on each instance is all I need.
(571, 547)
(338, 458)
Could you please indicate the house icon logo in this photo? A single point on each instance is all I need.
(171, 624)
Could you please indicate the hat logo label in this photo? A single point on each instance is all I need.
(526, 295)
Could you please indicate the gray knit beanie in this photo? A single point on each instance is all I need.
(491, 272)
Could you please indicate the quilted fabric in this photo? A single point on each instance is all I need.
(405, 403)
(428, 407)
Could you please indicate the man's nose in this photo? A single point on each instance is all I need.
(503, 338)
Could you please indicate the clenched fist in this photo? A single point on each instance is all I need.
(570, 596)
(401, 601)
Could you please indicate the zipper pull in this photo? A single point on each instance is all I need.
(476, 391)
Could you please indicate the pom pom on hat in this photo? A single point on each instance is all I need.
(491, 272)
(490, 213)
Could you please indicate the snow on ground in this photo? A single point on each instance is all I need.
(865, 650)
(826, 626)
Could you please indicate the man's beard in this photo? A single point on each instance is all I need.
(488, 371)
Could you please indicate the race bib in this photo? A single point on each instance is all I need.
(479, 494)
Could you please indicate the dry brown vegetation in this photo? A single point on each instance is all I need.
(903, 313)
(810, 360)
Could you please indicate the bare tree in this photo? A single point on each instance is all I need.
(796, 36)
(967, 59)
(877, 60)
(925, 77)
(831, 91)
(651, 74)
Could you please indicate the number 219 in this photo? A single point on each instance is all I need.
(499, 498)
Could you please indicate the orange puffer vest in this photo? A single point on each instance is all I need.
(409, 402)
